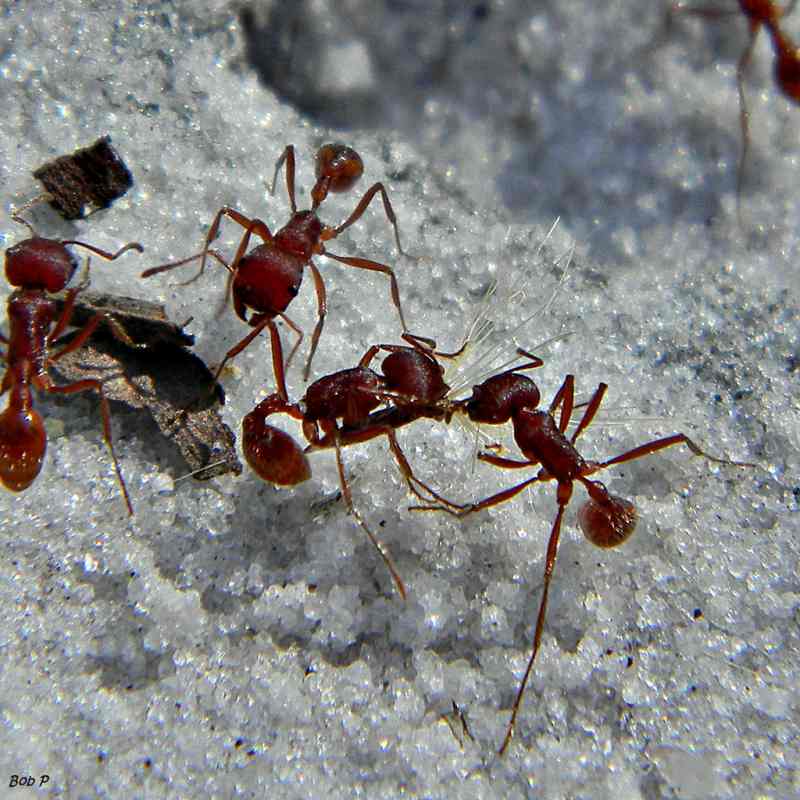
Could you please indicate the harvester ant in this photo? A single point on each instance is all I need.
(786, 68)
(605, 519)
(266, 279)
(410, 383)
(37, 268)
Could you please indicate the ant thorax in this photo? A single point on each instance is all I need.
(349, 395)
(30, 316)
(301, 235)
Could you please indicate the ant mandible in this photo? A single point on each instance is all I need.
(38, 267)
(267, 278)
(605, 519)
(786, 68)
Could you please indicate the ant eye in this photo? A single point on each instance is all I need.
(341, 164)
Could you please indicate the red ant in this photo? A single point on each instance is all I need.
(786, 69)
(267, 278)
(605, 519)
(38, 267)
(410, 385)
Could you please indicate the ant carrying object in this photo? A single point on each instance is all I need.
(37, 268)
(342, 409)
(605, 519)
(266, 279)
(786, 68)
(410, 385)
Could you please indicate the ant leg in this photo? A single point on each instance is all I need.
(105, 410)
(505, 463)
(427, 346)
(661, 444)
(591, 410)
(277, 360)
(66, 315)
(299, 333)
(322, 310)
(424, 344)
(332, 233)
(564, 495)
(348, 499)
(744, 114)
(104, 253)
(366, 434)
(564, 397)
(250, 225)
(457, 715)
(286, 156)
(173, 264)
(63, 321)
(277, 353)
(86, 332)
(259, 227)
(411, 479)
(366, 359)
(534, 363)
(365, 263)
(494, 500)
(44, 197)
(420, 343)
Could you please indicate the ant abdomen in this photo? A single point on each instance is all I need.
(607, 523)
(268, 278)
(39, 263)
(23, 443)
(272, 453)
(340, 165)
(415, 376)
(497, 399)
(349, 395)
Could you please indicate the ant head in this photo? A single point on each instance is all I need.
(497, 399)
(23, 442)
(338, 168)
(39, 263)
(607, 521)
(415, 375)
